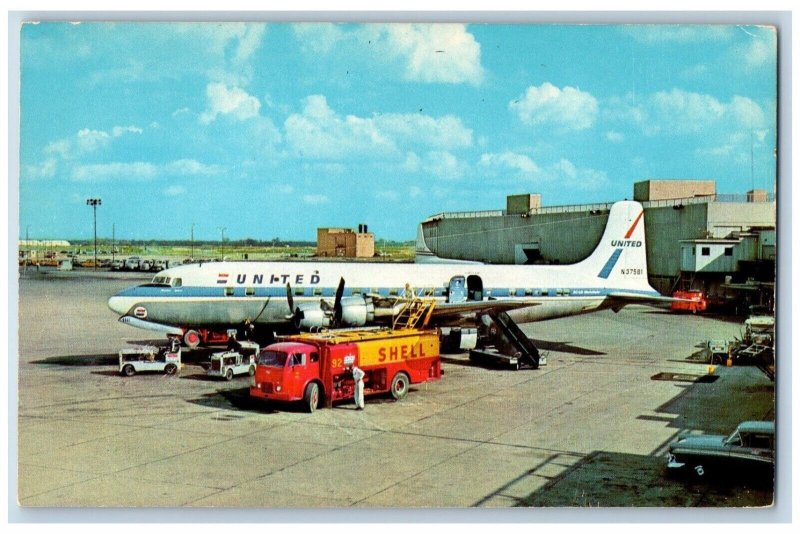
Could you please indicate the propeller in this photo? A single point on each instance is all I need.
(337, 303)
(290, 300)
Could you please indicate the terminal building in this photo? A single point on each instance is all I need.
(696, 238)
(345, 243)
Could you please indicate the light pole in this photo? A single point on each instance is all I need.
(222, 230)
(113, 243)
(192, 241)
(94, 202)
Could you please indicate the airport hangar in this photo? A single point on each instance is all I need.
(723, 244)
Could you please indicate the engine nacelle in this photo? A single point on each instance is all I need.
(311, 315)
(357, 311)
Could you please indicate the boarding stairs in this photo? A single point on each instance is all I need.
(511, 346)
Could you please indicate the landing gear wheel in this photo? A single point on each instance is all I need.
(399, 387)
(229, 374)
(171, 369)
(128, 370)
(192, 339)
(311, 397)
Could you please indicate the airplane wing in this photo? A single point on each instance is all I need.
(621, 298)
(480, 307)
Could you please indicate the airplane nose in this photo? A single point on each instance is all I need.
(119, 304)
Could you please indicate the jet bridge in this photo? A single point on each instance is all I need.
(510, 346)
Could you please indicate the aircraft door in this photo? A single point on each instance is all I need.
(456, 290)
(474, 288)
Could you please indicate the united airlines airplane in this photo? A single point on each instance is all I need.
(192, 300)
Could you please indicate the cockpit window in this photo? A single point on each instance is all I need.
(177, 282)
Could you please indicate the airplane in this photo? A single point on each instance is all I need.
(194, 299)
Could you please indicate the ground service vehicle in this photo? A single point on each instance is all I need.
(717, 351)
(698, 302)
(750, 448)
(149, 358)
(315, 367)
(229, 363)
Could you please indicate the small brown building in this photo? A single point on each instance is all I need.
(345, 243)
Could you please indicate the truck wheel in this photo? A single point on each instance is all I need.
(399, 387)
(311, 397)
(171, 369)
(128, 370)
(252, 370)
(229, 374)
(192, 339)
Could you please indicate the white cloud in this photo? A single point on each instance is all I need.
(45, 169)
(679, 112)
(678, 33)
(564, 109)
(180, 111)
(138, 170)
(563, 171)
(319, 132)
(90, 140)
(760, 52)
(440, 53)
(60, 147)
(427, 53)
(614, 136)
(87, 140)
(315, 200)
(412, 163)
(190, 167)
(234, 102)
(510, 160)
(175, 190)
(440, 165)
(118, 131)
(444, 132)
(318, 38)
(444, 165)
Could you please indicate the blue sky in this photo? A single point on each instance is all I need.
(272, 130)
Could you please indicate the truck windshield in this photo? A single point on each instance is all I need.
(272, 358)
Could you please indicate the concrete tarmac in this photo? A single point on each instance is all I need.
(588, 429)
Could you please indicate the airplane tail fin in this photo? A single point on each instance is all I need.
(620, 260)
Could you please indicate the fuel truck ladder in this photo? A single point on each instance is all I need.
(416, 312)
(512, 346)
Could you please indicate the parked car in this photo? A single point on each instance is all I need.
(145, 265)
(132, 263)
(749, 449)
(117, 265)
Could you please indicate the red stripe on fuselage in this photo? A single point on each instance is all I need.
(633, 226)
